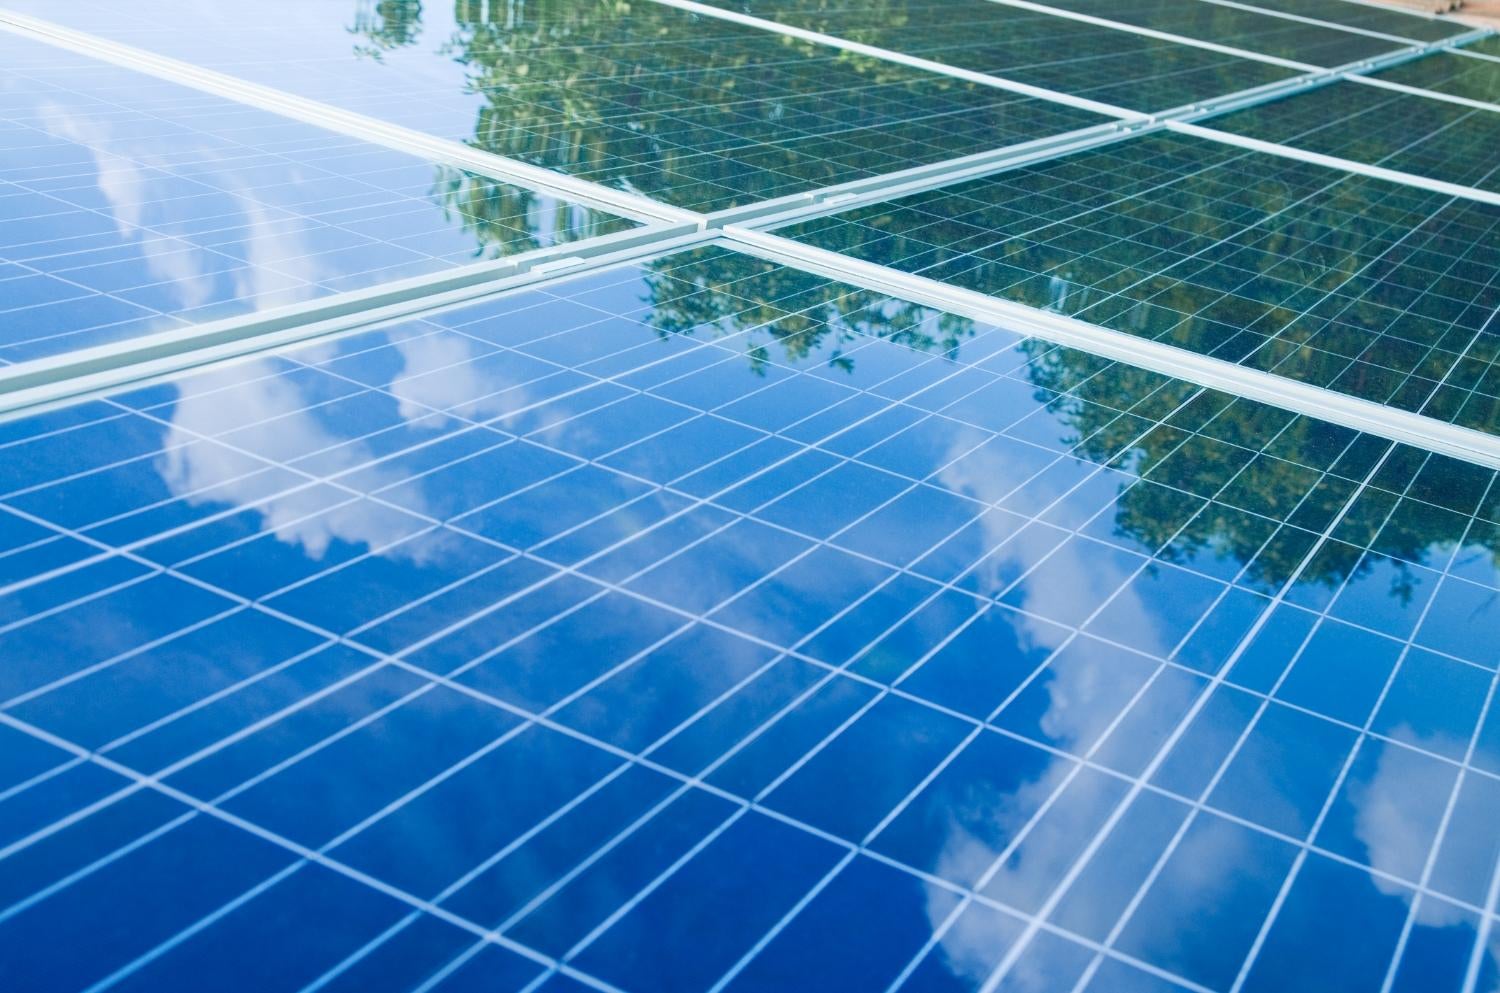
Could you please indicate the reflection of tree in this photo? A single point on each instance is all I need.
(801, 315)
(711, 114)
(385, 25)
(506, 219)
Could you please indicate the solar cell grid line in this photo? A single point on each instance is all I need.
(1372, 125)
(1413, 24)
(1439, 835)
(1430, 862)
(886, 819)
(1001, 252)
(181, 234)
(1036, 49)
(956, 169)
(311, 857)
(459, 155)
(1243, 30)
(1323, 812)
(937, 771)
(707, 848)
(696, 114)
(1286, 11)
(1161, 754)
(1449, 73)
(1353, 166)
(893, 54)
(1488, 47)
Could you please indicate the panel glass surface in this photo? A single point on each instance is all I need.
(1369, 17)
(1383, 291)
(1115, 67)
(909, 653)
(1433, 138)
(697, 112)
(1246, 29)
(129, 205)
(1485, 46)
(1447, 72)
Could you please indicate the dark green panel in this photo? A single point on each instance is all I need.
(1368, 17)
(1240, 28)
(1118, 67)
(1358, 285)
(1446, 72)
(1383, 127)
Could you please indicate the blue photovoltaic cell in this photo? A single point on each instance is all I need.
(694, 111)
(704, 624)
(129, 205)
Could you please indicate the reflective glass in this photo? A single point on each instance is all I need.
(914, 653)
(1369, 17)
(694, 111)
(1485, 46)
(1239, 27)
(1432, 138)
(1116, 67)
(129, 206)
(1447, 72)
(1379, 290)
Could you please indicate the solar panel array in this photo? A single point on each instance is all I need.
(988, 496)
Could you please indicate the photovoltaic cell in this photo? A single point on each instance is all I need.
(920, 652)
(693, 111)
(1446, 72)
(1484, 46)
(1369, 17)
(1241, 28)
(1378, 290)
(1389, 128)
(129, 205)
(1116, 67)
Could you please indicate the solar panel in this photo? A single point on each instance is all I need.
(1367, 17)
(980, 566)
(1114, 67)
(1451, 73)
(702, 114)
(1238, 26)
(1356, 284)
(133, 206)
(1381, 127)
(870, 522)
